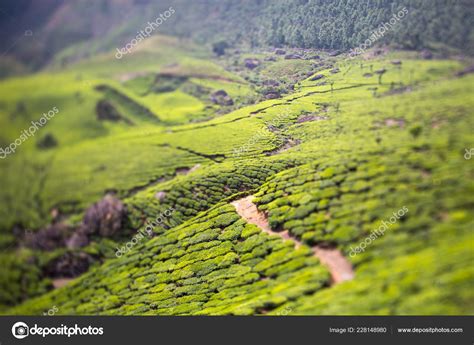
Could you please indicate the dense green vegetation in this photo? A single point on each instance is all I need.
(129, 200)
(335, 24)
(320, 24)
(328, 160)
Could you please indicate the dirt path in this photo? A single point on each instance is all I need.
(339, 267)
(60, 282)
(248, 210)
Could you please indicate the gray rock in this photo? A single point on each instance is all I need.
(68, 265)
(272, 95)
(49, 238)
(317, 77)
(105, 217)
(251, 63)
(221, 97)
(77, 240)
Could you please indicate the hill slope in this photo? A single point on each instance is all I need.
(68, 31)
(326, 164)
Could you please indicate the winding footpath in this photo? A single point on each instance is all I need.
(339, 267)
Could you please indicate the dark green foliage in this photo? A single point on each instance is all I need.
(47, 142)
(334, 24)
(219, 47)
(167, 83)
(21, 278)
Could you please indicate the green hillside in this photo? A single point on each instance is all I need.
(338, 147)
(104, 25)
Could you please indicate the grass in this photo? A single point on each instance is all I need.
(175, 106)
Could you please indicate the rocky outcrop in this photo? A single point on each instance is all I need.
(271, 94)
(77, 240)
(221, 97)
(317, 77)
(105, 217)
(68, 265)
(49, 238)
(251, 63)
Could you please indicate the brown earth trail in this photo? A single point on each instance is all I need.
(339, 267)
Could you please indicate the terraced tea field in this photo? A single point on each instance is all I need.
(266, 204)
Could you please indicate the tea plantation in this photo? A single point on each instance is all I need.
(330, 159)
